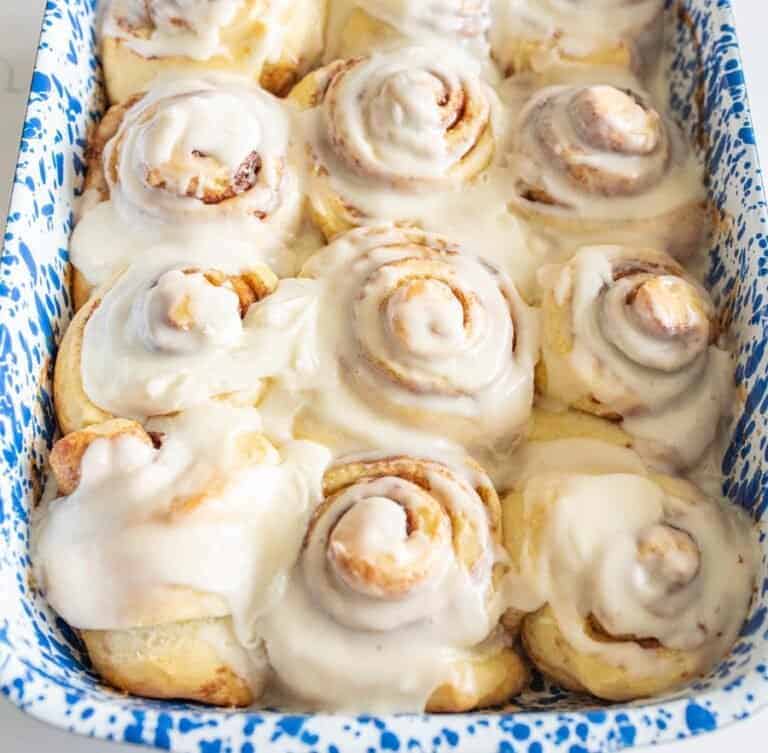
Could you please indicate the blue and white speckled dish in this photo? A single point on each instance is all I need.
(42, 666)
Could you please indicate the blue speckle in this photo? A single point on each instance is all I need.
(41, 84)
(291, 725)
(699, 719)
(389, 741)
(627, 733)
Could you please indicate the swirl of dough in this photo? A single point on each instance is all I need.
(165, 336)
(199, 150)
(405, 118)
(592, 157)
(433, 337)
(403, 121)
(645, 580)
(397, 545)
(629, 336)
(575, 127)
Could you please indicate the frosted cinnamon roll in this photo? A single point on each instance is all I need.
(644, 581)
(202, 160)
(535, 34)
(597, 159)
(161, 338)
(270, 41)
(358, 27)
(415, 335)
(385, 130)
(167, 545)
(629, 336)
(392, 605)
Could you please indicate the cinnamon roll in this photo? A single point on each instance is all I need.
(644, 581)
(531, 35)
(393, 605)
(629, 336)
(358, 27)
(416, 337)
(205, 161)
(161, 338)
(273, 42)
(598, 160)
(169, 543)
(388, 130)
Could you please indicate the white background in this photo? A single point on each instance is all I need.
(20, 24)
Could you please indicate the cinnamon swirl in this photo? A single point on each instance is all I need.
(161, 338)
(413, 333)
(385, 130)
(644, 581)
(132, 554)
(269, 41)
(629, 336)
(393, 599)
(598, 160)
(204, 161)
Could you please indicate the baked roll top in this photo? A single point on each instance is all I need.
(421, 333)
(394, 600)
(168, 542)
(646, 581)
(393, 124)
(599, 157)
(628, 335)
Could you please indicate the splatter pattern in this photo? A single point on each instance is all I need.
(42, 666)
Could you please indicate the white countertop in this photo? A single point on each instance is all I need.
(20, 24)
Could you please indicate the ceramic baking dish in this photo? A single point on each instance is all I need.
(42, 668)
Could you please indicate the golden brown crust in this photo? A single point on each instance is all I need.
(74, 409)
(480, 683)
(67, 454)
(486, 676)
(175, 661)
(416, 471)
(553, 654)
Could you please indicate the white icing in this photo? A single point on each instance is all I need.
(199, 134)
(135, 363)
(459, 22)
(692, 596)
(351, 648)
(577, 27)
(211, 136)
(636, 163)
(390, 117)
(670, 386)
(392, 331)
(106, 555)
(388, 346)
(198, 29)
